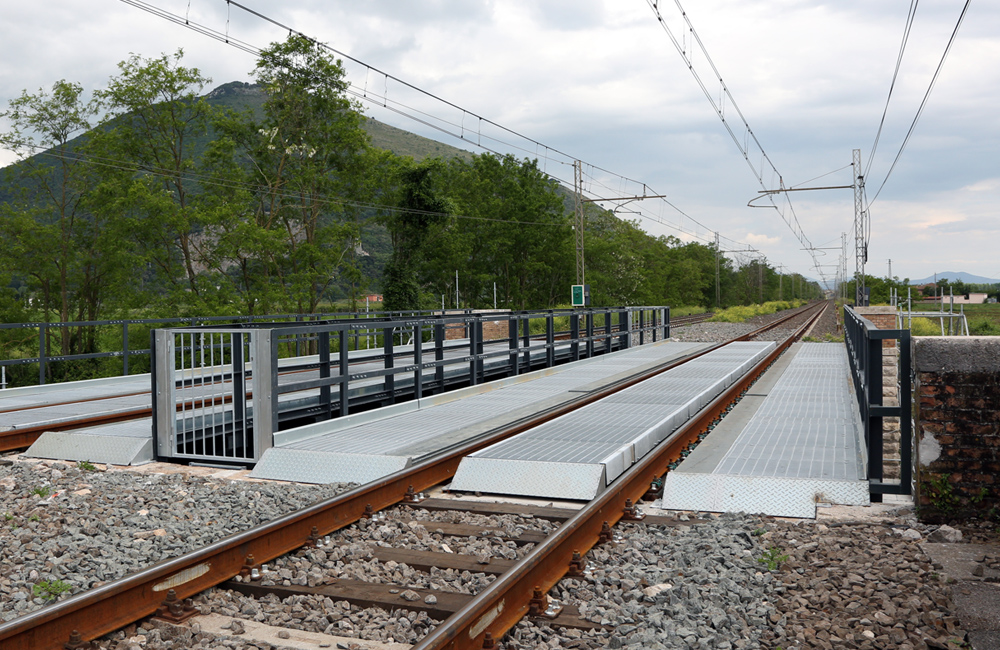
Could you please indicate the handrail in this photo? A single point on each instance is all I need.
(864, 351)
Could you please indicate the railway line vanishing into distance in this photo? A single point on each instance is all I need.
(526, 563)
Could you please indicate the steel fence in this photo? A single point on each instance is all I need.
(219, 395)
(865, 352)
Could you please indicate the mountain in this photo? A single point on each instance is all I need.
(952, 276)
(241, 96)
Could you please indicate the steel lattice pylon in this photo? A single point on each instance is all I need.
(860, 248)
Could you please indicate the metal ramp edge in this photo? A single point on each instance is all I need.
(92, 448)
(777, 497)
(322, 467)
(575, 481)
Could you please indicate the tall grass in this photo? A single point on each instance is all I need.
(741, 313)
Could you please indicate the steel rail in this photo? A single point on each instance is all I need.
(111, 606)
(103, 609)
(507, 600)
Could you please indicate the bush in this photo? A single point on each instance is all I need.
(741, 313)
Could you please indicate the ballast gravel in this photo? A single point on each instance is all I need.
(65, 529)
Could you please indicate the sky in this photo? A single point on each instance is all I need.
(600, 81)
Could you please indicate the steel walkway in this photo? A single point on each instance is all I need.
(577, 455)
(367, 446)
(792, 442)
(131, 442)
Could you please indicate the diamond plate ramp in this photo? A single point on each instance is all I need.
(307, 466)
(93, 448)
(578, 481)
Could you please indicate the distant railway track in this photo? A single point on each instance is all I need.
(519, 589)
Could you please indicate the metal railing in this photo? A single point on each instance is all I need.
(865, 352)
(219, 396)
(45, 331)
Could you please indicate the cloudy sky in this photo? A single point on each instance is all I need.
(600, 81)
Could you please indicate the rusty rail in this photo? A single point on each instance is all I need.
(507, 600)
(101, 610)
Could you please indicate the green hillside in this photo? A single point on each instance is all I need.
(241, 96)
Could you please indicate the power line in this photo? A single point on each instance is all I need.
(368, 94)
(750, 143)
(895, 73)
(923, 102)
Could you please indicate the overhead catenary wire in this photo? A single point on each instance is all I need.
(895, 73)
(790, 219)
(923, 102)
(364, 92)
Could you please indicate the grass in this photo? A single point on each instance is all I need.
(741, 313)
(50, 589)
(773, 558)
(41, 491)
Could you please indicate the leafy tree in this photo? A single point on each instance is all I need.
(48, 239)
(305, 167)
(156, 116)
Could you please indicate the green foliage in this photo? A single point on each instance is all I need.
(925, 327)
(939, 491)
(86, 466)
(772, 558)
(741, 313)
(50, 589)
(42, 492)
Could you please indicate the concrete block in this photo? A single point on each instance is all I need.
(953, 354)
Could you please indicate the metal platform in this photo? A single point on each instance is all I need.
(577, 455)
(360, 448)
(124, 443)
(793, 441)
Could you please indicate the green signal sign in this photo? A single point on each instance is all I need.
(579, 295)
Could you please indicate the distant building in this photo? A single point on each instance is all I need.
(377, 297)
(969, 299)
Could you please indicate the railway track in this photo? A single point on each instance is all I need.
(518, 590)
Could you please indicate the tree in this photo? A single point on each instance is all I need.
(48, 239)
(423, 211)
(305, 163)
(156, 118)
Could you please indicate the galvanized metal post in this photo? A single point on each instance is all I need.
(164, 400)
(265, 391)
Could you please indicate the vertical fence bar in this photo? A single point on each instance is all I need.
(470, 331)
(666, 322)
(164, 399)
(550, 340)
(345, 374)
(125, 349)
(574, 335)
(513, 358)
(590, 334)
(642, 326)
(41, 354)
(608, 329)
(439, 337)
(418, 360)
(479, 362)
(905, 414)
(239, 388)
(526, 340)
(874, 422)
(324, 373)
(388, 347)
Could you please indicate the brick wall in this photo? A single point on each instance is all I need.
(881, 317)
(958, 426)
(492, 329)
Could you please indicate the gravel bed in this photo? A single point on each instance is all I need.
(684, 587)
(64, 529)
(709, 332)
